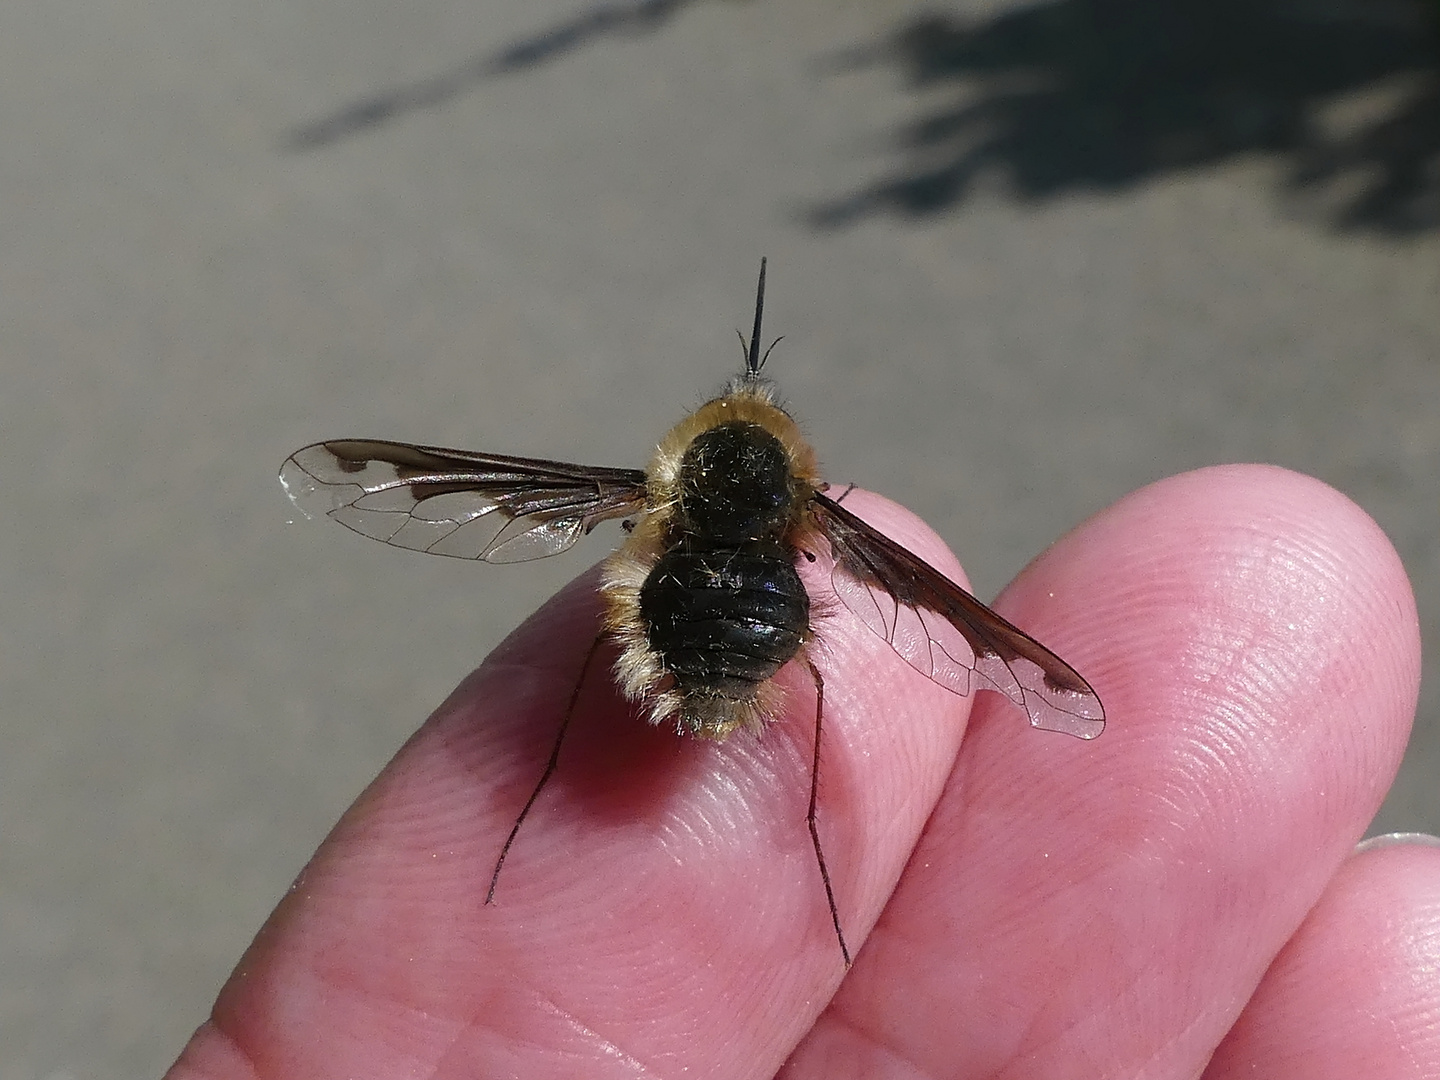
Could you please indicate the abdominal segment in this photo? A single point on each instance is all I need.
(722, 621)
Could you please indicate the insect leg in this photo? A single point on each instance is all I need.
(810, 814)
(549, 767)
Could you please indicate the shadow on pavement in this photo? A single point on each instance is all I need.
(596, 23)
(1102, 94)
(1071, 95)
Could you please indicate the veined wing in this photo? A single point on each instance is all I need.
(456, 502)
(945, 633)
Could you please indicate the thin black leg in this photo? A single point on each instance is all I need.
(549, 768)
(810, 814)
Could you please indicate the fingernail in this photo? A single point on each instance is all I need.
(1397, 838)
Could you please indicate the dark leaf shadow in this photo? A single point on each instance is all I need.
(1103, 94)
(596, 23)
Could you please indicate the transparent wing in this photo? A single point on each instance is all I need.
(455, 502)
(945, 633)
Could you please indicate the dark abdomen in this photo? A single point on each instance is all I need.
(723, 620)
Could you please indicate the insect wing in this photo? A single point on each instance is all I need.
(457, 503)
(945, 633)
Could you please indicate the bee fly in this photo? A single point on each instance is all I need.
(703, 598)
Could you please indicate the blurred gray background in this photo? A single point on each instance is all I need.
(1026, 258)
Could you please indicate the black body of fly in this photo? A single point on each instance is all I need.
(723, 607)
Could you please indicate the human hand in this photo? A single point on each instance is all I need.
(1118, 908)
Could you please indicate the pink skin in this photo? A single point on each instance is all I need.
(1033, 907)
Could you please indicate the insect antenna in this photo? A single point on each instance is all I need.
(754, 361)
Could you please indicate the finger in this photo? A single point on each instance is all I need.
(1354, 992)
(661, 910)
(1106, 908)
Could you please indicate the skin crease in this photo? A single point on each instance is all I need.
(1070, 909)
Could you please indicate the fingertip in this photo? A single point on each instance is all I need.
(1252, 635)
(1251, 584)
(1353, 992)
